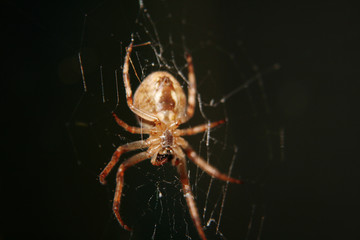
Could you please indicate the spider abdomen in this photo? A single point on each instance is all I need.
(161, 95)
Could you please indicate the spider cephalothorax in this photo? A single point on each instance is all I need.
(160, 105)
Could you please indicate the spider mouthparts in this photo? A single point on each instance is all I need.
(162, 159)
(163, 156)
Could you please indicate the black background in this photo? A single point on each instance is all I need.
(314, 194)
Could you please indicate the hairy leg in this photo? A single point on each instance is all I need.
(188, 195)
(191, 89)
(115, 157)
(126, 77)
(212, 171)
(128, 128)
(120, 183)
(198, 129)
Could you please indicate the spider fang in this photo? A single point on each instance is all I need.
(165, 155)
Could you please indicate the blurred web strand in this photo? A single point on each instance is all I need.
(155, 40)
(282, 143)
(161, 50)
(131, 62)
(206, 199)
(257, 76)
(82, 72)
(208, 134)
(252, 224)
(226, 188)
(81, 124)
(133, 67)
(200, 102)
(117, 88)
(154, 232)
(178, 70)
(251, 221)
(261, 227)
(140, 65)
(79, 54)
(102, 84)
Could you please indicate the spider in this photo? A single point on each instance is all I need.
(160, 103)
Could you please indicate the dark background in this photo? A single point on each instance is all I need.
(314, 194)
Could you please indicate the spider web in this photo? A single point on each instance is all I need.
(230, 86)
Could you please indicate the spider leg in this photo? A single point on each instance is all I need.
(128, 90)
(191, 90)
(212, 171)
(188, 195)
(198, 129)
(128, 128)
(120, 182)
(115, 157)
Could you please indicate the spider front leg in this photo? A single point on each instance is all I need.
(129, 98)
(128, 128)
(198, 129)
(120, 183)
(115, 157)
(191, 89)
(212, 171)
(194, 213)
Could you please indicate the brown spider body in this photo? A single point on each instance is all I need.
(161, 95)
(160, 105)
